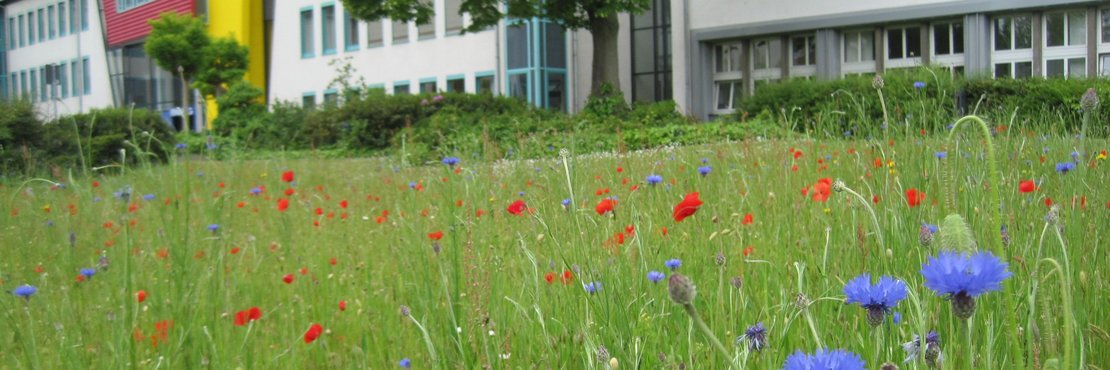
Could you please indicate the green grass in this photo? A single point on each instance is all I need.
(483, 299)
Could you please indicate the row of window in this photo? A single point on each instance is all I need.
(1065, 40)
(375, 33)
(52, 81)
(124, 5)
(47, 23)
(483, 84)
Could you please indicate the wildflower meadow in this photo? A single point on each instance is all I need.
(976, 246)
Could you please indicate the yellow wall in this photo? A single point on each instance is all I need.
(242, 20)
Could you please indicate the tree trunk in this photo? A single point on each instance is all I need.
(606, 69)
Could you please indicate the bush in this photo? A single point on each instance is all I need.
(104, 133)
(20, 136)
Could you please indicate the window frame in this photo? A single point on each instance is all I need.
(308, 42)
(724, 72)
(86, 77)
(453, 78)
(424, 82)
(351, 40)
(371, 42)
(306, 95)
(398, 84)
(950, 59)
(62, 21)
(862, 65)
(325, 31)
(448, 15)
(809, 69)
(478, 76)
(1067, 53)
(396, 25)
(906, 60)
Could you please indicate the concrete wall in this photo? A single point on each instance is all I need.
(444, 55)
(68, 48)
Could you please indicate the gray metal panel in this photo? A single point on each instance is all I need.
(828, 55)
(1092, 41)
(977, 45)
(1038, 44)
(918, 12)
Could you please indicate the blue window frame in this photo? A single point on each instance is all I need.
(125, 5)
(61, 19)
(350, 32)
(484, 82)
(428, 85)
(11, 33)
(308, 47)
(401, 88)
(535, 50)
(86, 77)
(456, 83)
(308, 100)
(327, 28)
(22, 32)
(42, 25)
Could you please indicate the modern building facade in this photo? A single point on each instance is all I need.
(54, 55)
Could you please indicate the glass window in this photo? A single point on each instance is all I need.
(804, 50)
(726, 94)
(44, 89)
(483, 84)
(350, 32)
(556, 90)
(42, 26)
(948, 38)
(123, 5)
(428, 87)
(555, 47)
(426, 30)
(308, 47)
(31, 28)
(517, 45)
(86, 76)
(1013, 32)
(74, 74)
(518, 86)
(453, 20)
(1054, 68)
(1103, 59)
(308, 101)
(61, 19)
(728, 57)
(85, 15)
(11, 33)
(767, 53)
(50, 22)
(400, 32)
(859, 46)
(331, 98)
(401, 88)
(456, 85)
(374, 33)
(1106, 25)
(21, 32)
(34, 85)
(73, 18)
(651, 45)
(644, 42)
(1077, 67)
(903, 42)
(63, 82)
(327, 24)
(23, 83)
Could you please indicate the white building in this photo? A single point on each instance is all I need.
(54, 55)
(703, 54)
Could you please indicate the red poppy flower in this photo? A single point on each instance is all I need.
(878, 163)
(797, 154)
(313, 332)
(235, 250)
(605, 206)
(664, 231)
(914, 197)
(748, 251)
(140, 296)
(246, 316)
(1048, 202)
(747, 219)
(282, 204)
(288, 278)
(568, 277)
(342, 305)
(516, 208)
(96, 184)
(436, 235)
(875, 199)
(343, 204)
(1027, 186)
(687, 207)
(822, 189)
(287, 176)
(289, 192)
(549, 277)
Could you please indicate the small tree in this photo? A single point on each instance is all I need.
(597, 16)
(176, 44)
(225, 62)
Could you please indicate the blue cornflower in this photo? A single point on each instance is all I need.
(896, 318)
(1064, 167)
(878, 298)
(450, 161)
(592, 287)
(941, 155)
(673, 263)
(925, 234)
(704, 160)
(656, 276)
(214, 227)
(919, 85)
(962, 277)
(412, 184)
(704, 170)
(97, 199)
(123, 193)
(521, 193)
(256, 190)
(180, 146)
(756, 336)
(88, 273)
(405, 363)
(566, 203)
(1075, 155)
(24, 291)
(148, 197)
(836, 359)
(654, 179)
